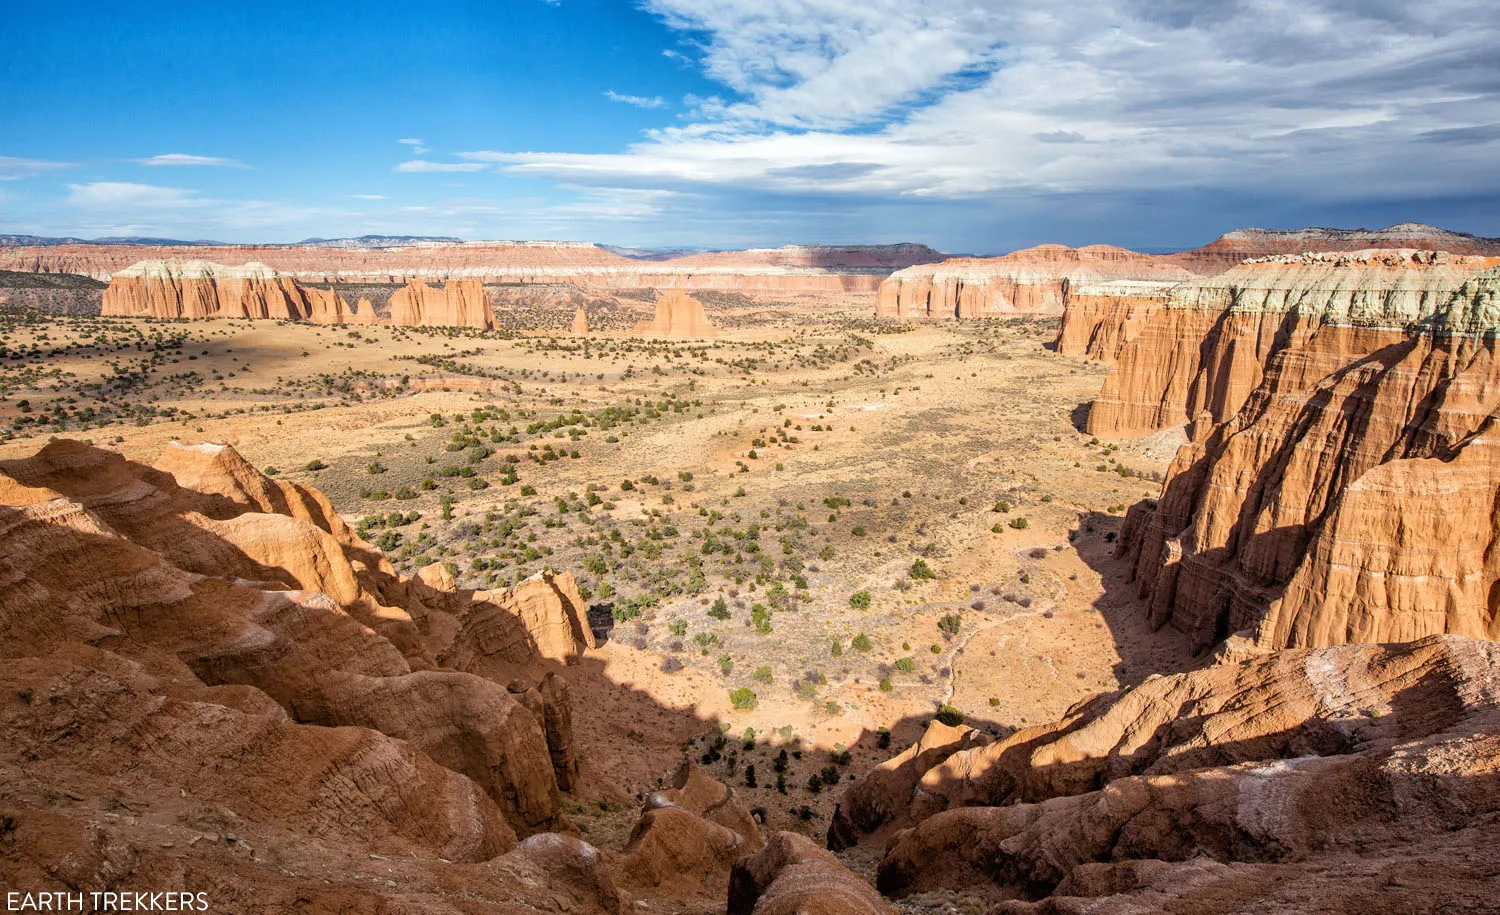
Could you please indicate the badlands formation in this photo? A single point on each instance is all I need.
(761, 605)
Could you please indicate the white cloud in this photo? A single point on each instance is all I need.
(181, 159)
(367, 196)
(421, 165)
(12, 168)
(417, 148)
(638, 101)
(1329, 99)
(128, 194)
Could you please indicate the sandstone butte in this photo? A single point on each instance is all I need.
(580, 322)
(678, 317)
(198, 289)
(240, 667)
(794, 269)
(1340, 777)
(1050, 279)
(460, 303)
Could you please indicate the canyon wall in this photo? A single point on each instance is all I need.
(1205, 345)
(1317, 502)
(197, 289)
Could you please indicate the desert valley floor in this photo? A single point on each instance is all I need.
(793, 473)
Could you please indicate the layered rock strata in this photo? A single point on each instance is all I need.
(1218, 789)
(249, 591)
(1033, 281)
(197, 289)
(1207, 346)
(1352, 497)
(794, 269)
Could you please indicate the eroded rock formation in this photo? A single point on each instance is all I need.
(206, 574)
(678, 317)
(1235, 780)
(1207, 346)
(1322, 511)
(460, 303)
(689, 836)
(198, 289)
(793, 876)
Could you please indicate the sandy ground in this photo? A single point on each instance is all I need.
(854, 450)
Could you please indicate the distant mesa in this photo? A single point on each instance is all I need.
(580, 322)
(678, 317)
(461, 303)
(1032, 281)
(791, 270)
(1046, 279)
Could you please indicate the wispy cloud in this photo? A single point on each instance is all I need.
(12, 168)
(948, 99)
(367, 196)
(417, 148)
(422, 165)
(184, 159)
(638, 101)
(129, 194)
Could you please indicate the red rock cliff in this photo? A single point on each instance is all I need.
(1206, 346)
(1354, 492)
(460, 303)
(197, 289)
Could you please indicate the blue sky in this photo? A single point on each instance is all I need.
(971, 125)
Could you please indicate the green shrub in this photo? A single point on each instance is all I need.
(920, 570)
(743, 699)
(861, 642)
(860, 600)
(950, 716)
(906, 665)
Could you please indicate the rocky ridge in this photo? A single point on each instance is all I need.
(225, 609)
(1203, 346)
(1244, 786)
